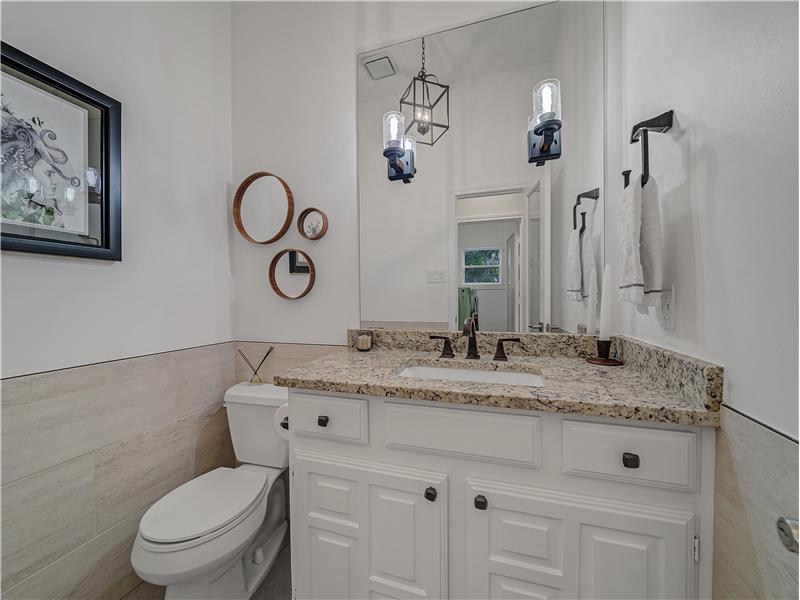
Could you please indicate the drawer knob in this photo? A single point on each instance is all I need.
(630, 460)
(430, 494)
(480, 502)
(285, 423)
(322, 420)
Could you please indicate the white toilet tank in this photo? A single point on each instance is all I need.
(251, 416)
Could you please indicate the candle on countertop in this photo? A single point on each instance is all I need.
(605, 305)
(363, 342)
(591, 321)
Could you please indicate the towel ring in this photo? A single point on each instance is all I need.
(660, 124)
(590, 194)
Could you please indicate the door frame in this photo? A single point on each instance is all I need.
(539, 183)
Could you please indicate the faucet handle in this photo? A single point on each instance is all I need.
(500, 352)
(447, 350)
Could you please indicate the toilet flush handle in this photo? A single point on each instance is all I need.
(282, 421)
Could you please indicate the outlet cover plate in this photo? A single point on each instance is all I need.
(436, 276)
(667, 313)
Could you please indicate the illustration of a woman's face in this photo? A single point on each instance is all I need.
(48, 178)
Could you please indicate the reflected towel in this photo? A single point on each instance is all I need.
(467, 304)
(629, 226)
(651, 246)
(574, 272)
(588, 265)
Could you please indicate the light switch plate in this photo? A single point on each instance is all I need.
(667, 313)
(436, 276)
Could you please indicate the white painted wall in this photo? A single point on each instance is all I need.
(169, 65)
(728, 180)
(294, 113)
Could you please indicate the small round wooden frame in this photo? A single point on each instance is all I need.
(237, 208)
(273, 282)
(301, 220)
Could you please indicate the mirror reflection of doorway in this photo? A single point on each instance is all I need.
(487, 250)
(498, 249)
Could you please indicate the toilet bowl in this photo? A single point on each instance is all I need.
(218, 535)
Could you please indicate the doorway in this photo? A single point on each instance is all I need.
(488, 250)
(499, 264)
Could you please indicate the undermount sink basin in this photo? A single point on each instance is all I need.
(473, 375)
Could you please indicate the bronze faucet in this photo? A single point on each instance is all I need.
(470, 330)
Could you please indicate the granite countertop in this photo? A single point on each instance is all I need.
(571, 385)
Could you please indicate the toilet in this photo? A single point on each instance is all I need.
(218, 535)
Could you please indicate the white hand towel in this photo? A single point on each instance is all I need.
(651, 244)
(574, 266)
(588, 265)
(629, 225)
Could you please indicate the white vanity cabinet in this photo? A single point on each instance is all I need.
(402, 499)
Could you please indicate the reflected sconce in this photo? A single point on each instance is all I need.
(398, 148)
(544, 125)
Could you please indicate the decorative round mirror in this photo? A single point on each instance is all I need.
(274, 270)
(263, 208)
(312, 223)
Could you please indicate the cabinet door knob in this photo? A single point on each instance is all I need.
(430, 494)
(285, 423)
(480, 502)
(322, 421)
(630, 460)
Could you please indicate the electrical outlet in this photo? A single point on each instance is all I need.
(668, 307)
(436, 276)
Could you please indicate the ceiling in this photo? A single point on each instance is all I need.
(515, 41)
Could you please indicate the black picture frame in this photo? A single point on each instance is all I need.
(110, 247)
(294, 266)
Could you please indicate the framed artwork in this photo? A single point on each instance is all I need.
(60, 161)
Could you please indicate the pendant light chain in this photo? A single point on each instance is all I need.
(422, 70)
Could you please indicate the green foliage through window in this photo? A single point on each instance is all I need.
(482, 265)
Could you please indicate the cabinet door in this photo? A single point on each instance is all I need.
(362, 529)
(326, 522)
(537, 543)
(407, 536)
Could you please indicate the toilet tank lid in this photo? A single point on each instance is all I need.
(260, 394)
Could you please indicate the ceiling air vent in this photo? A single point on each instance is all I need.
(379, 67)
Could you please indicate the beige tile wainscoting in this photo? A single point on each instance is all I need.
(86, 450)
(284, 357)
(756, 482)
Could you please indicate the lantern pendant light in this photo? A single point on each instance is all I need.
(426, 106)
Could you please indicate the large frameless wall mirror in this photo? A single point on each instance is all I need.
(478, 228)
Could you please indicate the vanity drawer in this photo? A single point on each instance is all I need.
(342, 419)
(471, 434)
(638, 455)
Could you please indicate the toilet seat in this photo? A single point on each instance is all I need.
(204, 508)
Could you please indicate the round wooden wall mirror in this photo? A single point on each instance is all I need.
(263, 208)
(312, 223)
(273, 278)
